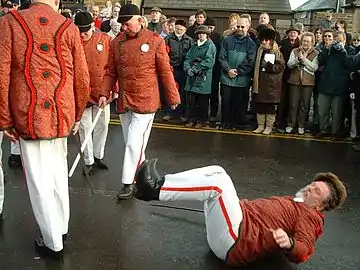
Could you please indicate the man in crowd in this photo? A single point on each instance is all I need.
(95, 11)
(96, 47)
(264, 19)
(105, 25)
(47, 90)
(242, 231)
(155, 25)
(237, 58)
(138, 59)
(200, 17)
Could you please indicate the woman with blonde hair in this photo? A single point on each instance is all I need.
(144, 22)
(268, 72)
(303, 63)
(233, 22)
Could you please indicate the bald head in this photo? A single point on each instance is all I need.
(52, 3)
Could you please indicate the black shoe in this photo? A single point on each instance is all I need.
(148, 181)
(88, 168)
(127, 192)
(100, 164)
(64, 237)
(43, 250)
(14, 161)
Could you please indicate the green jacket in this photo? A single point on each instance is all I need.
(200, 59)
(237, 53)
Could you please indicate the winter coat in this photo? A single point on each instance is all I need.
(201, 60)
(237, 53)
(178, 49)
(270, 81)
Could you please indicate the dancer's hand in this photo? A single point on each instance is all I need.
(282, 238)
(102, 102)
(76, 127)
(11, 134)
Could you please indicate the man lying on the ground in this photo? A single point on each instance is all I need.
(242, 231)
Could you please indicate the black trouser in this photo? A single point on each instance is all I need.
(233, 107)
(283, 109)
(214, 97)
(180, 79)
(198, 105)
(357, 109)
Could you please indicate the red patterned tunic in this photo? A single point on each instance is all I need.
(44, 79)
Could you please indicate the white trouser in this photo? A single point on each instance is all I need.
(353, 131)
(46, 173)
(1, 175)
(222, 210)
(15, 149)
(96, 146)
(136, 131)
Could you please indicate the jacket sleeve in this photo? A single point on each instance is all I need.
(162, 63)
(352, 62)
(293, 61)
(208, 62)
(81, 77)
(102, 92)
(187, 61)
(307, 230)
(324, 56)
(278, 67)
(247, 66)
(111, 74)
(5, 69)
(223, 56)
(313, 65)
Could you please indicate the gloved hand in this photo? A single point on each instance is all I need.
(190, 72)
(352, 76)
(352, 96)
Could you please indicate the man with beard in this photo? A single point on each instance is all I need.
(138, 61)
(243, 231)
(237, 58)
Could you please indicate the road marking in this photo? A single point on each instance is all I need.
(238, 132)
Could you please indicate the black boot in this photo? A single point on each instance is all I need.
(148, 181)
(100, 164)
(43, 250)
(127, 192)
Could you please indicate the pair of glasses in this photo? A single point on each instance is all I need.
(242, 27)
(329, 36)
(356, 39)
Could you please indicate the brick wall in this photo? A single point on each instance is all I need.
(348, 17)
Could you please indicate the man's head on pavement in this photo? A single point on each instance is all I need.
(85, 22)
(325, 193)
(130, 18)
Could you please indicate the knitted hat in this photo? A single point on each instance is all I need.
(83, 21)
(202, 29)
(210, 21)
(181, 22)
(127, 12)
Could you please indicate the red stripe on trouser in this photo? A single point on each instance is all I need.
(207, 188)
(142, 147)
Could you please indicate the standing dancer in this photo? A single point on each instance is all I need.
(138, 59)
(44, 89)
(96, 47)
(242, 231)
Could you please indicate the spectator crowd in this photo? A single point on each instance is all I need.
(300, 82)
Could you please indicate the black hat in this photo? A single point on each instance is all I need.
(210, 21)
(127, 12)
(202, 29)
(181, 22)
(267, 33)
(83, 20)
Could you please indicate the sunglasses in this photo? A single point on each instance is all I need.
(329, 36)
(355, 39)
(242, 27)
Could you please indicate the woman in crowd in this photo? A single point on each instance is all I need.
(233, 22)
(198, 65)
(268, 72)
(115, 28)
(303, 63)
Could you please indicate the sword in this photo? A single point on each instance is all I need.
(177, 208)
(87, 138)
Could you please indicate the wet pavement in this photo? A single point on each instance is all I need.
(135, 235)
